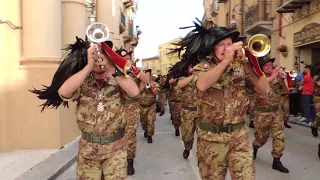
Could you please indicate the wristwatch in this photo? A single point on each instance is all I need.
(117, 73)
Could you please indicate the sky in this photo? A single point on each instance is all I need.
(159, 21)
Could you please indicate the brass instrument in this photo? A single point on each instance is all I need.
(148, 85)
(259, 45)
(98, 33)
(293, 73)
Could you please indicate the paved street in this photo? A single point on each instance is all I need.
(163, 159)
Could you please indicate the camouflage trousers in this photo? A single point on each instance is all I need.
(316, 122)
(264, 122)
(162, 101)
(285, 107)
(102, 163)
(251, 107)
(132, 115)
(147, 118)
(175, 112)
(216, 157)
(188, 126)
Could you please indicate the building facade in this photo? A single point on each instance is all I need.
(30, 55)
(291, 24)
(167, 60)
(152, 63)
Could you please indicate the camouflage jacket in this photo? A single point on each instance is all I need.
(226, 102)
(273, 98)
(188, 94)
(147, 97)
(161, 83)
(175, 93)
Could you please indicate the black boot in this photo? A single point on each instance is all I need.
(177, 132)
(186, 154)
(255, 150)
(130, 169)
(171, 117)
(286, 124)
(161, 113)
(314, 131)
(319, 150)
(145, 134)
(277, 165)
(251, 124)
(149, 139)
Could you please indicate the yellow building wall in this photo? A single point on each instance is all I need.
(167, 60)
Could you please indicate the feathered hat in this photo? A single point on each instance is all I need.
(197, 45)
(123, 52)
(73, 61)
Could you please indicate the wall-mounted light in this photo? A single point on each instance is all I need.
(92, 18)
(10, 24)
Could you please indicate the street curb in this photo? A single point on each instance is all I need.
(55, 165)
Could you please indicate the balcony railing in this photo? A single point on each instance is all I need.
(258, 12)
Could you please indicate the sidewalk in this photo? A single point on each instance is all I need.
(13, 164)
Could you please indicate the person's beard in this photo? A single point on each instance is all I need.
(304, 73)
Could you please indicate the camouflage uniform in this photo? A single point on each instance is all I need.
(102, 148)
(269, 117)
(132, 110)
(162, 95)
(251, 105)
(188, 115)
(148, 110)
(223, 140)
(175, 94)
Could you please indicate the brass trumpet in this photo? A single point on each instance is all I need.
(259, 45)
(98, 33)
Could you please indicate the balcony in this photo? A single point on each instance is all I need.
(129, 35)
(122, 23)
(258, 18)
(292, 5)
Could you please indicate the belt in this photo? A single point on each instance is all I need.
(143, 105)
(268, 108)
(190, 108)
(228, 128)
(131, 101)
(284, 94)
(104, 139)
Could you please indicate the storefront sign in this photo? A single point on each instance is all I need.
(308, 34)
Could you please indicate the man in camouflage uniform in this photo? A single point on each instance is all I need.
(188, 112)
(269, 116)
(223, 139)
(162, 97)
(148, 93)
(99, 89)
(132, 110)
(176, 99)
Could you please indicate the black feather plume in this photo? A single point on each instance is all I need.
(74, 60)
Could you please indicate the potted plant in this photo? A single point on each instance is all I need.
(283, 49)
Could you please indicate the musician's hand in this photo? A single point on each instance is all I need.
(90, 56)
(230, 50)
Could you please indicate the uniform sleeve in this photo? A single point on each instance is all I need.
(75, 96)
(198, 70)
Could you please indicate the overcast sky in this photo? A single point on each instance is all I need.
(159, 21)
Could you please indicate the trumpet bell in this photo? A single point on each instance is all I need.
(97, 32)
(259, 45)
(293, 73)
